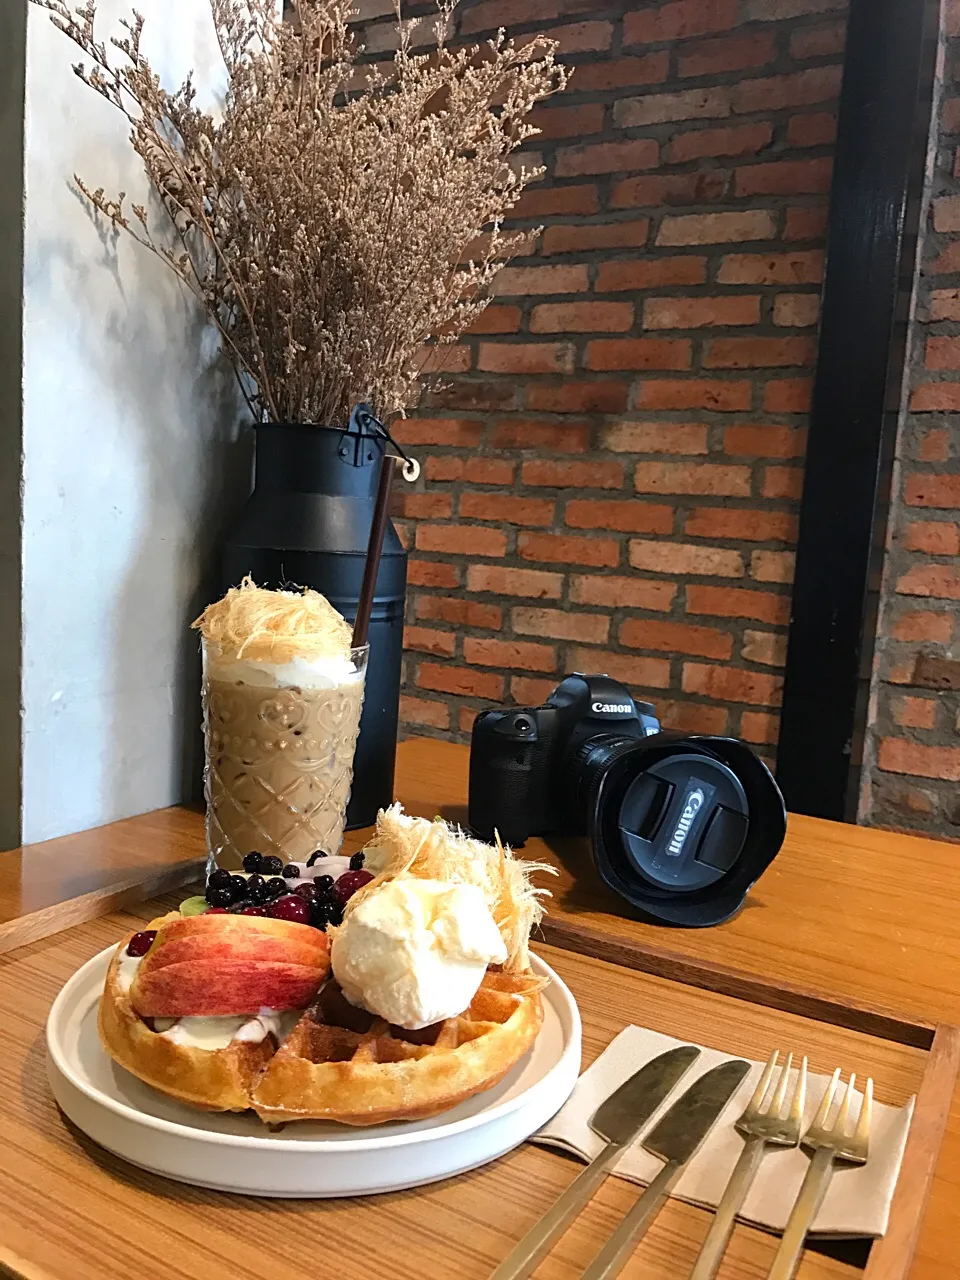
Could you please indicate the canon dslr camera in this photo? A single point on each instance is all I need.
(680, 825)
(529, 766)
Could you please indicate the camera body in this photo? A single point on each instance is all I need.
(530, 767)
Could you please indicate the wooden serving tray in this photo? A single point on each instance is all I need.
(70, 1211)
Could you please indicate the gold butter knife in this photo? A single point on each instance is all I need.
(675, 1139)
(618, 1119)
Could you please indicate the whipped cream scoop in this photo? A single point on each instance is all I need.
(415, 951)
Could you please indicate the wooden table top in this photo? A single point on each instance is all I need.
(70, 1211)
(854, 915)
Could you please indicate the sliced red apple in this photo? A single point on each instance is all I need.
(197, 988)
(209, 966)
(252, 946)
(240, 928)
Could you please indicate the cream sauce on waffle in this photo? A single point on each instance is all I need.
(214, 1033)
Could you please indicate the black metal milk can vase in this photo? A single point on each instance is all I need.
(307, 523)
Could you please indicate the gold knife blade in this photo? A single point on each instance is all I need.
(674, 1139)
(618, 1119)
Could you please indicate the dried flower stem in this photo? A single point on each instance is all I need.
(334, 218)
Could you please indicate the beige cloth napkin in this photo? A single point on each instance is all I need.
(857, 1202)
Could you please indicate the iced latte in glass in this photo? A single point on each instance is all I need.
(282, 695)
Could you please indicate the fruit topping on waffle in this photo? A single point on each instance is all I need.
(229, 1005)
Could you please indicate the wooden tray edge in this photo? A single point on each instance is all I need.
(710, 976)
(36, 925)
(891, 1257)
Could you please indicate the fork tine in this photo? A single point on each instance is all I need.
(820, 1119)
(843, 1115)
(799, 1094)
(776, 1106)
(760, 1092)
(866, 1111)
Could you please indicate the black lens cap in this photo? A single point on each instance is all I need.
(682, 825)
(683, 821)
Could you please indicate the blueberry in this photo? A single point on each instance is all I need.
(252, 862)
(276, 885)
(291, 871)
(221, 897)
(238, 887)
(323, 883)
(238, 908)
(218, 879)
(270, 866)
(320, 915)
(356, 862)
(319, 853)
(257, 889)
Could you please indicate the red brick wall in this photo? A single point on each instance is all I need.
(914, 753)
(611, 472)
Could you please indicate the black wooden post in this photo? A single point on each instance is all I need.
(875, 202)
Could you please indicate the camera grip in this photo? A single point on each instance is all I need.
(498, 802)
(500, 792)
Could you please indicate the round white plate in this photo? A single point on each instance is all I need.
(233, 1152)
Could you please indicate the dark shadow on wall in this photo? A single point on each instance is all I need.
(13, 44)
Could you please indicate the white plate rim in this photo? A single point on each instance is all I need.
(454, 1129)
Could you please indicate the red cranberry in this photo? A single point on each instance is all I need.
(216, 911)
(290, 907)
(306, 889)
(253, 911)
(141, 942)
(349, 883)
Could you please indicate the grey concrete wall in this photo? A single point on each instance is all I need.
(133, 457)
(13, 34)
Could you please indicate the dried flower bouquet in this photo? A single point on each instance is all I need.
(336, 215)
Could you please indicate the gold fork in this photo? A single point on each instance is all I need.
(826, 1145)
(765, 1122)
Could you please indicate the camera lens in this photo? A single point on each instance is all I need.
(583, 771)
(681, 826)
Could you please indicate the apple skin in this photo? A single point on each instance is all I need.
(250, 944)
(209, 966)
(241, 930)
(201, 988)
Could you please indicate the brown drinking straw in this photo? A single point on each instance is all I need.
(374, 547)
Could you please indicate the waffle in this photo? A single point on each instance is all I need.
(341, 1063)
(211, 1079)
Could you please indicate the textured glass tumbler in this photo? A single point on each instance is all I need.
(279, 760)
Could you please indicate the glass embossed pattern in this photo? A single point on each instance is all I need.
(279, 764)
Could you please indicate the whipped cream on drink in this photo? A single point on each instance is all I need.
(415, 951)
(282, 696)
(303, 673)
